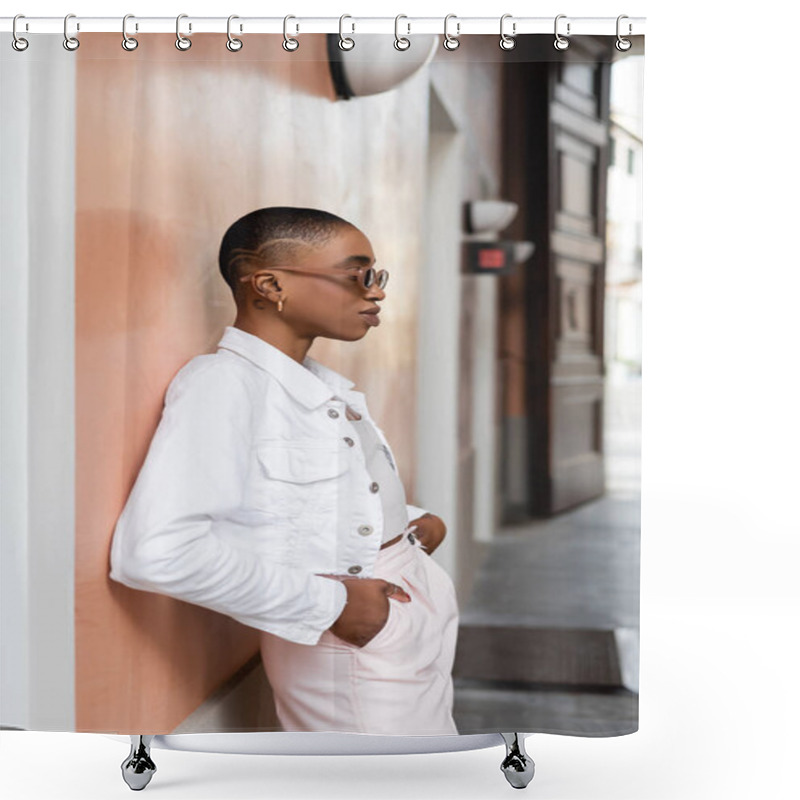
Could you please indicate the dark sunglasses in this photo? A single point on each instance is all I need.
(368, 276)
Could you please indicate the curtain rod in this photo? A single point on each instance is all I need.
(407, 26)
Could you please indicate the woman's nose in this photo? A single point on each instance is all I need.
(375, 292)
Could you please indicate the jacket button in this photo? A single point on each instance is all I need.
(373, 487)
(354, 570)
(332, 412)
(365, 530)
(349, 440)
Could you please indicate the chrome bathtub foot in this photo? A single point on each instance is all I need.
(138, 767)
(517, 766)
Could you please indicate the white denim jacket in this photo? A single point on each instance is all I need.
(254, 481)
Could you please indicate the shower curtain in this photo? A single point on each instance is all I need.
(500, 190)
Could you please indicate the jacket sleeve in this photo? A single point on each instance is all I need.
(170, 536)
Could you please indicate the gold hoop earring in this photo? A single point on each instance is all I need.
(280, 304)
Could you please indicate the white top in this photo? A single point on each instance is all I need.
(381, 468)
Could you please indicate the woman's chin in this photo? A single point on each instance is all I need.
(347, 336)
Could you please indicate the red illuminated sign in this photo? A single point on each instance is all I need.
(493, 258)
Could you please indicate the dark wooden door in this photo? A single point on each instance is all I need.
(557, 123)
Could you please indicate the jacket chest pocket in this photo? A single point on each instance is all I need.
(298, 476)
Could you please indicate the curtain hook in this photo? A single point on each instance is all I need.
(451, 42)
(623, 44)
(507, 42)
(289, 42)
(345, 42)
(128, 42)
(561, 42)
(70, 42)
(182, 43)
(233, 44)
(400, 42)
(17, 42)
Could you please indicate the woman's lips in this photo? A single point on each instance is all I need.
(372, 319)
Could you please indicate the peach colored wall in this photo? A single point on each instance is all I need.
(172, 147)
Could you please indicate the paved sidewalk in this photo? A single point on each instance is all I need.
(551, 630)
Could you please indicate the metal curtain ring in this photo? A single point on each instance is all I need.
(345, 42)
(233, 44)
(561, 42)
(400, 42)
(623, 44)
(17, 42)
(70, 42)
(507, 42)
(128, 42)
(182, 43)
(289, 42)
(451, 42)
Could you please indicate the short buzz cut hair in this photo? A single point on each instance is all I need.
(273, 236)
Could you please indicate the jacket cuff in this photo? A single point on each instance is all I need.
(332, 600)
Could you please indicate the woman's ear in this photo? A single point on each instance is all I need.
(266, 285)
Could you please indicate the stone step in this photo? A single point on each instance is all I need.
(605, 712)
(586, 657)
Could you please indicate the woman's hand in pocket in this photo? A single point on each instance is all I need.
(430, 530)
(367, 609)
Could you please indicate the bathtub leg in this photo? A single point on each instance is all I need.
(138, 767)
(517, 766)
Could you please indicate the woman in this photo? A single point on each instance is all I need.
(270, 495)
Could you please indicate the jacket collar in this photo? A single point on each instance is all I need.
(311, 383)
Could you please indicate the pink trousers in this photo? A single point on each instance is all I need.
(399, 683)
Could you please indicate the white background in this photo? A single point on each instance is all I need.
(719, 677)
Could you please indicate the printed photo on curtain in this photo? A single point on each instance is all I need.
(321, 382)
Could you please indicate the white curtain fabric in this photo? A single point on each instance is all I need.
(73, 164)
(37, 299)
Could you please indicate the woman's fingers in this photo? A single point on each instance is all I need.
(395, 592)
